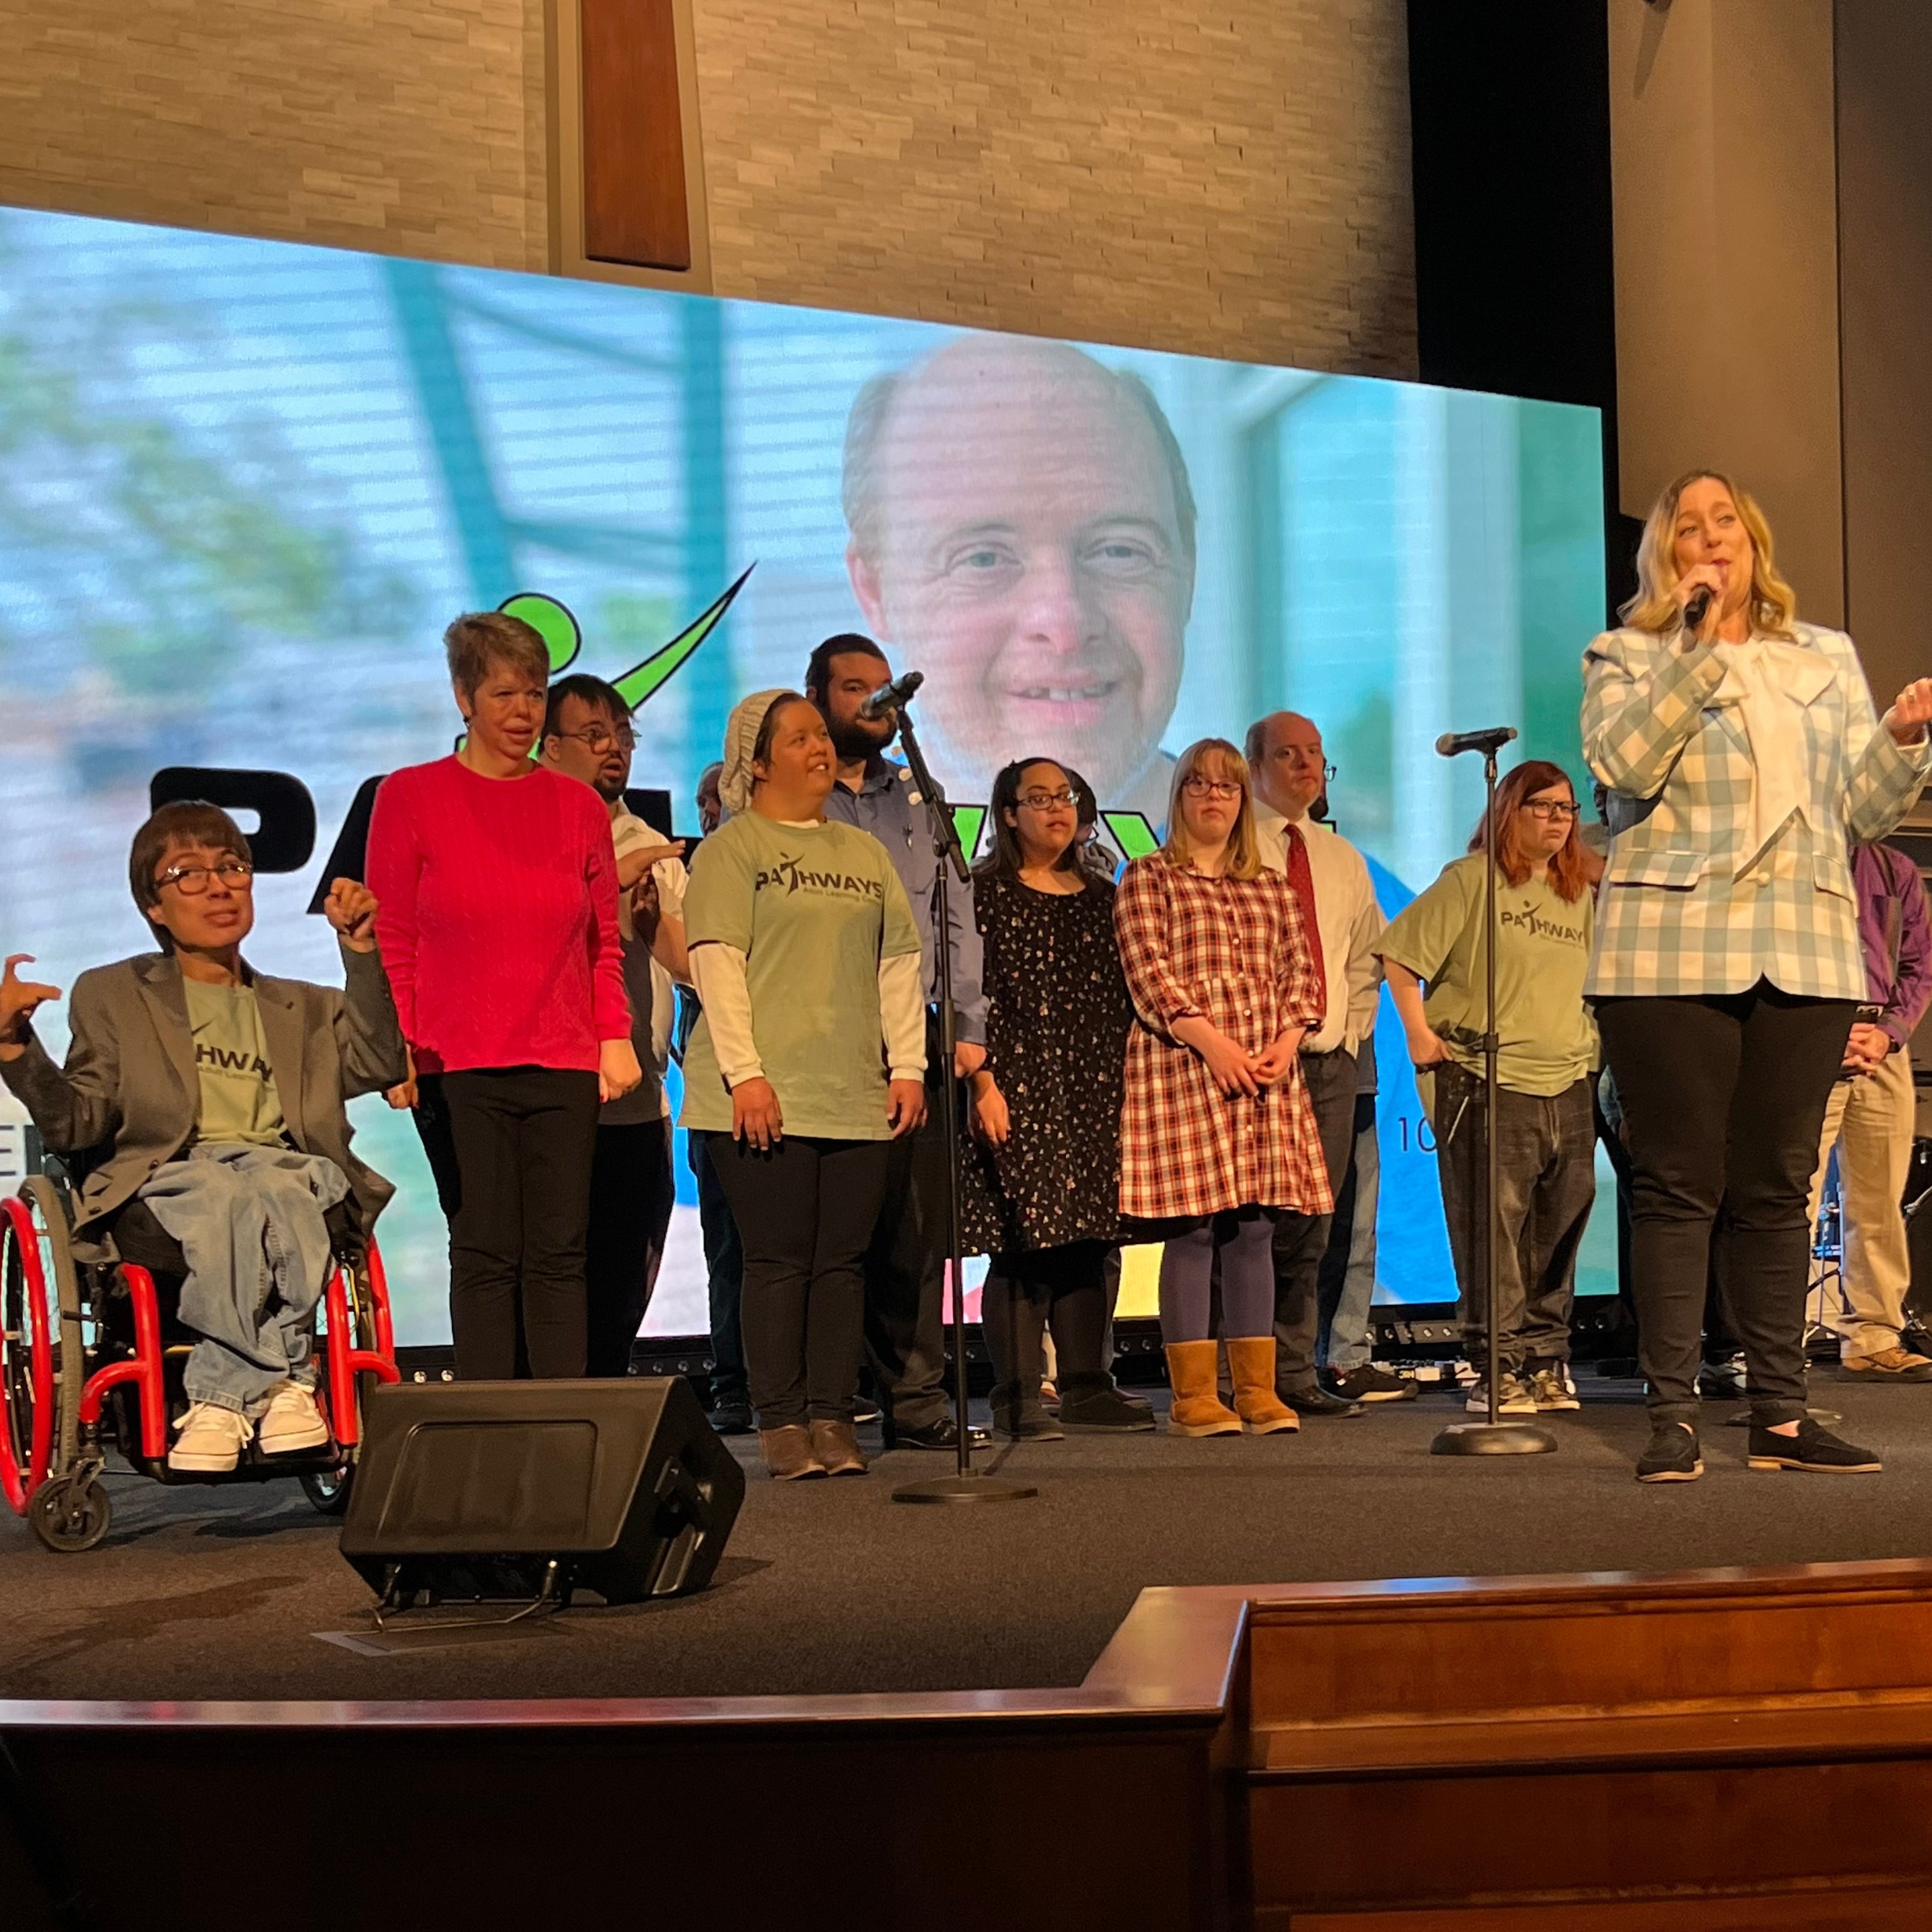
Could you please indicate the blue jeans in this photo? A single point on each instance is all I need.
(250, 1222)
(1347, 1303)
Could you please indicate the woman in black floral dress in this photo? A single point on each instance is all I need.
(1041, 1192)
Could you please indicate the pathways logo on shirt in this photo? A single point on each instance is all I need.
(791, 875)
(1535, 926)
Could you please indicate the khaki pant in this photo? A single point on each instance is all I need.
(1869, 1119)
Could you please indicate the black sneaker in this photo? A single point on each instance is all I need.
(731, 1416)
(1723, 1378)
(1367, 1383)
(1103, 1410)
(1813, 1448)
(943, 1434)
(1672, 1455)
(1315, 1400)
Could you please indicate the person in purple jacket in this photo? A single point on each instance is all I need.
(1870, 1116)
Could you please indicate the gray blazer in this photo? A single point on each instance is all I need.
(129, 1092)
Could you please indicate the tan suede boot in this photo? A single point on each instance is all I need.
(788, 1453)
(1197, 1410)
(1251, 1362)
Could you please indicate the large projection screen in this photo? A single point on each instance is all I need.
(243, 485)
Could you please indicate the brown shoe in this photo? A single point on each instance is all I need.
(836, 1448)
(1251, 1362)
(788, 1453)
(1889, 1365)
(1196, 1410)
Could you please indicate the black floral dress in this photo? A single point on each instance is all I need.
(1057, 1019)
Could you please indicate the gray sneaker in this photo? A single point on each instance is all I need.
(1513, 1397)
(1552, 1388)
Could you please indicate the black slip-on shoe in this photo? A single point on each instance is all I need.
(1812, 1449)
(943, 1434)
(1672, 1455)
(1103, 1412)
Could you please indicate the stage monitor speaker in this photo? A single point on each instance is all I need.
(622, 1484)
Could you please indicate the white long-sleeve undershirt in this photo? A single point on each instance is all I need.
(724, 990)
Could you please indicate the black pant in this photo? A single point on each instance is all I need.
(631, 1196)
(1066, 1287)
(905, 1263)
(724, 1269)
(805, 1213)
(1300, 1240)
(1546, 1182)
(1724, 1095)
(521, 1139)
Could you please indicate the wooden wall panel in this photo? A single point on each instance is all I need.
(634, 205)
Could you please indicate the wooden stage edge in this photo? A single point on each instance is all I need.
(1689, 1751)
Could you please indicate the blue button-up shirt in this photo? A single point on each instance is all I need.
(889, 806)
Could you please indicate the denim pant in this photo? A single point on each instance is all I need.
(1546, 1182)
(1724, 1095)
(1347, 1281)
(1300, 1240)
(250, 1222)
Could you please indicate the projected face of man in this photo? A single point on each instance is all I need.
(1026, 553)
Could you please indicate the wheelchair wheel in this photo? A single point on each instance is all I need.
(329, 1489)
(70, 1514)
(27, 1387)
(53, 1207)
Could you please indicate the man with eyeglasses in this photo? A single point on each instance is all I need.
(207, 1103)
(905, 1269)
(587, 735)
(1330, 878)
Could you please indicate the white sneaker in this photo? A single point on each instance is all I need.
(292, 1421)
(212, 1438)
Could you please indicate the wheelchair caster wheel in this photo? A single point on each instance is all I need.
(70, 1514)
(329, 1489)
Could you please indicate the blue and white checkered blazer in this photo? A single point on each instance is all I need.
(1674, 915)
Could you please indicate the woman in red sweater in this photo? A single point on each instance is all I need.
(498, 889)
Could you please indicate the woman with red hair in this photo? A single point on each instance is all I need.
(1546, 1139)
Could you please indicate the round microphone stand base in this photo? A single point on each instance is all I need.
(1492, 1439)
(967, 1487)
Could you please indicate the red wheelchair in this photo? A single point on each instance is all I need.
(91, 1361)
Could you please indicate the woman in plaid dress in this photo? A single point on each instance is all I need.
(1216, 1135)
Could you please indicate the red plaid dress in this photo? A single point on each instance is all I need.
(1234, 952)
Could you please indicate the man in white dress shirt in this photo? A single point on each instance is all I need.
(1290, 773)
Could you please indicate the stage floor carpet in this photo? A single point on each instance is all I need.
(831, 1587)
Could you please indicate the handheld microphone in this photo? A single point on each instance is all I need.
(889, 697)
(1452, 742)
(1695, 606)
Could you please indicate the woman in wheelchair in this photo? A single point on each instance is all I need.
(206, 1104)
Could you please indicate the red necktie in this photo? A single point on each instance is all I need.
(1301, 878)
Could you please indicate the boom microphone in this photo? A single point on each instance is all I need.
(889, 697)
(1493, 739)
(1695, 606)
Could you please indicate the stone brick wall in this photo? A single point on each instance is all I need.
(1230, 179)
(1226, 177)
(411, 126)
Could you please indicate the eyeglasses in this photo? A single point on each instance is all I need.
(237, 875)
(1296, 754)
(1197, 787)
(1552, 808)
(1045, 801)
(600, 739)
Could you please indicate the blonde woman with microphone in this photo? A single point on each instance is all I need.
(1741, 752)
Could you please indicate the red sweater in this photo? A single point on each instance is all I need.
(496, 913)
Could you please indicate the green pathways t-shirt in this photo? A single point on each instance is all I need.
(1546, 1038)
(238, 1101)
(814, 908)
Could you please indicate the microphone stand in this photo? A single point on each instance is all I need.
(1493, 1436)
(965, 1485)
